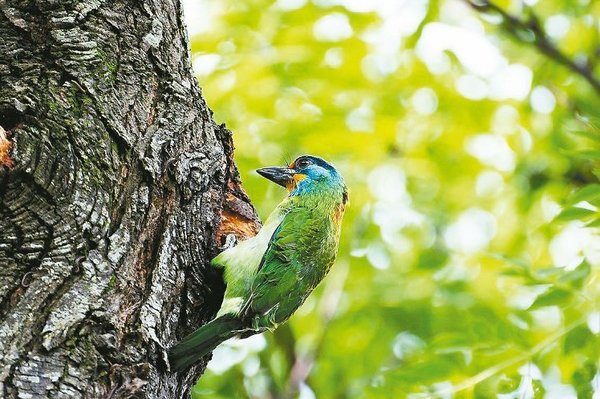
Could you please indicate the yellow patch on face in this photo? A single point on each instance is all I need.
(297, 178)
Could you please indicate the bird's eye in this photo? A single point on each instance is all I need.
(302, 163)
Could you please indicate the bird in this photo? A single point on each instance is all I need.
(269, 276)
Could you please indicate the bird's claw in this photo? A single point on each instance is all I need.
(230, 242)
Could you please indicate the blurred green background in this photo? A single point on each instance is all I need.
(469, 261)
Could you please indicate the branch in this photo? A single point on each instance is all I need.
(515, 26)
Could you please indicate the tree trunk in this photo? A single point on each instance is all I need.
(115, 189)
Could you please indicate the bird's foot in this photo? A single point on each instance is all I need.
(230, 242)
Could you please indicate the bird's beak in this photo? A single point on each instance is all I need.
(282, 176)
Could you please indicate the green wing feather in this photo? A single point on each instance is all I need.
(241, 262)
(297, 258)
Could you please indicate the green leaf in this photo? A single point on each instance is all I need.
(515, 271)
(574, 213)
(588, 193)
(549, 273)
(587, 134)
(592, 122)
(594, 223)
(577, 277)
(519, 263)
(432, 258)
(593, 155)
(556, 296)
(577, 338)
(582, 376)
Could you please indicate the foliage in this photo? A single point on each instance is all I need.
(470, 252)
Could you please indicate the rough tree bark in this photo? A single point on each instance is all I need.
(115, 189)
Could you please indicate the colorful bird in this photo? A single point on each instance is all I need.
(270, 275)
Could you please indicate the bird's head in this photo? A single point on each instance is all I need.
(306, 174)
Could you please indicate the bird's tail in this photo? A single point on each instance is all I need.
(193, 347)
